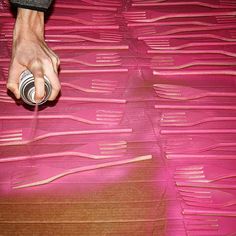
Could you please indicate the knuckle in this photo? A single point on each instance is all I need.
(35, 62)
(38, 75)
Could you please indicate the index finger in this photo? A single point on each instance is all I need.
(39, 83)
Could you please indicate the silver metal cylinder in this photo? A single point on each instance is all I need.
(27, 88)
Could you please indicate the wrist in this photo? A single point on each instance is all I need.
(28, 23)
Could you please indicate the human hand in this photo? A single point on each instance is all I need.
(29, 51)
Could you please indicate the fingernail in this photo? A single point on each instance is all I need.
(38, 98)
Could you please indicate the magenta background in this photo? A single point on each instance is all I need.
(162, 196)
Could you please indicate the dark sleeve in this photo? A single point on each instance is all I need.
(39, 5)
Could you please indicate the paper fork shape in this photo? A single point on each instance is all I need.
(90, 150)
(206, 51)
(86, 19)
(68, 72)
(192, 184)
(65, 6)
(94, 60)
(22, 137)
(153, 16)
(166, 40)
(92, 117)
(201, 157)
(201, 61)
(209, 225)
(178, 92)
(204, 174)
(198, 131)
(171, 44)
(208, 198)
(188, 119)
(25, 183)
(96, 86)
(95, 37)
(162, 64)
(195, 144)
(209, 212)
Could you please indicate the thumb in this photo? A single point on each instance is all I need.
(39, 83)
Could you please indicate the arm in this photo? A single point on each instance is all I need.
(29, 51)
